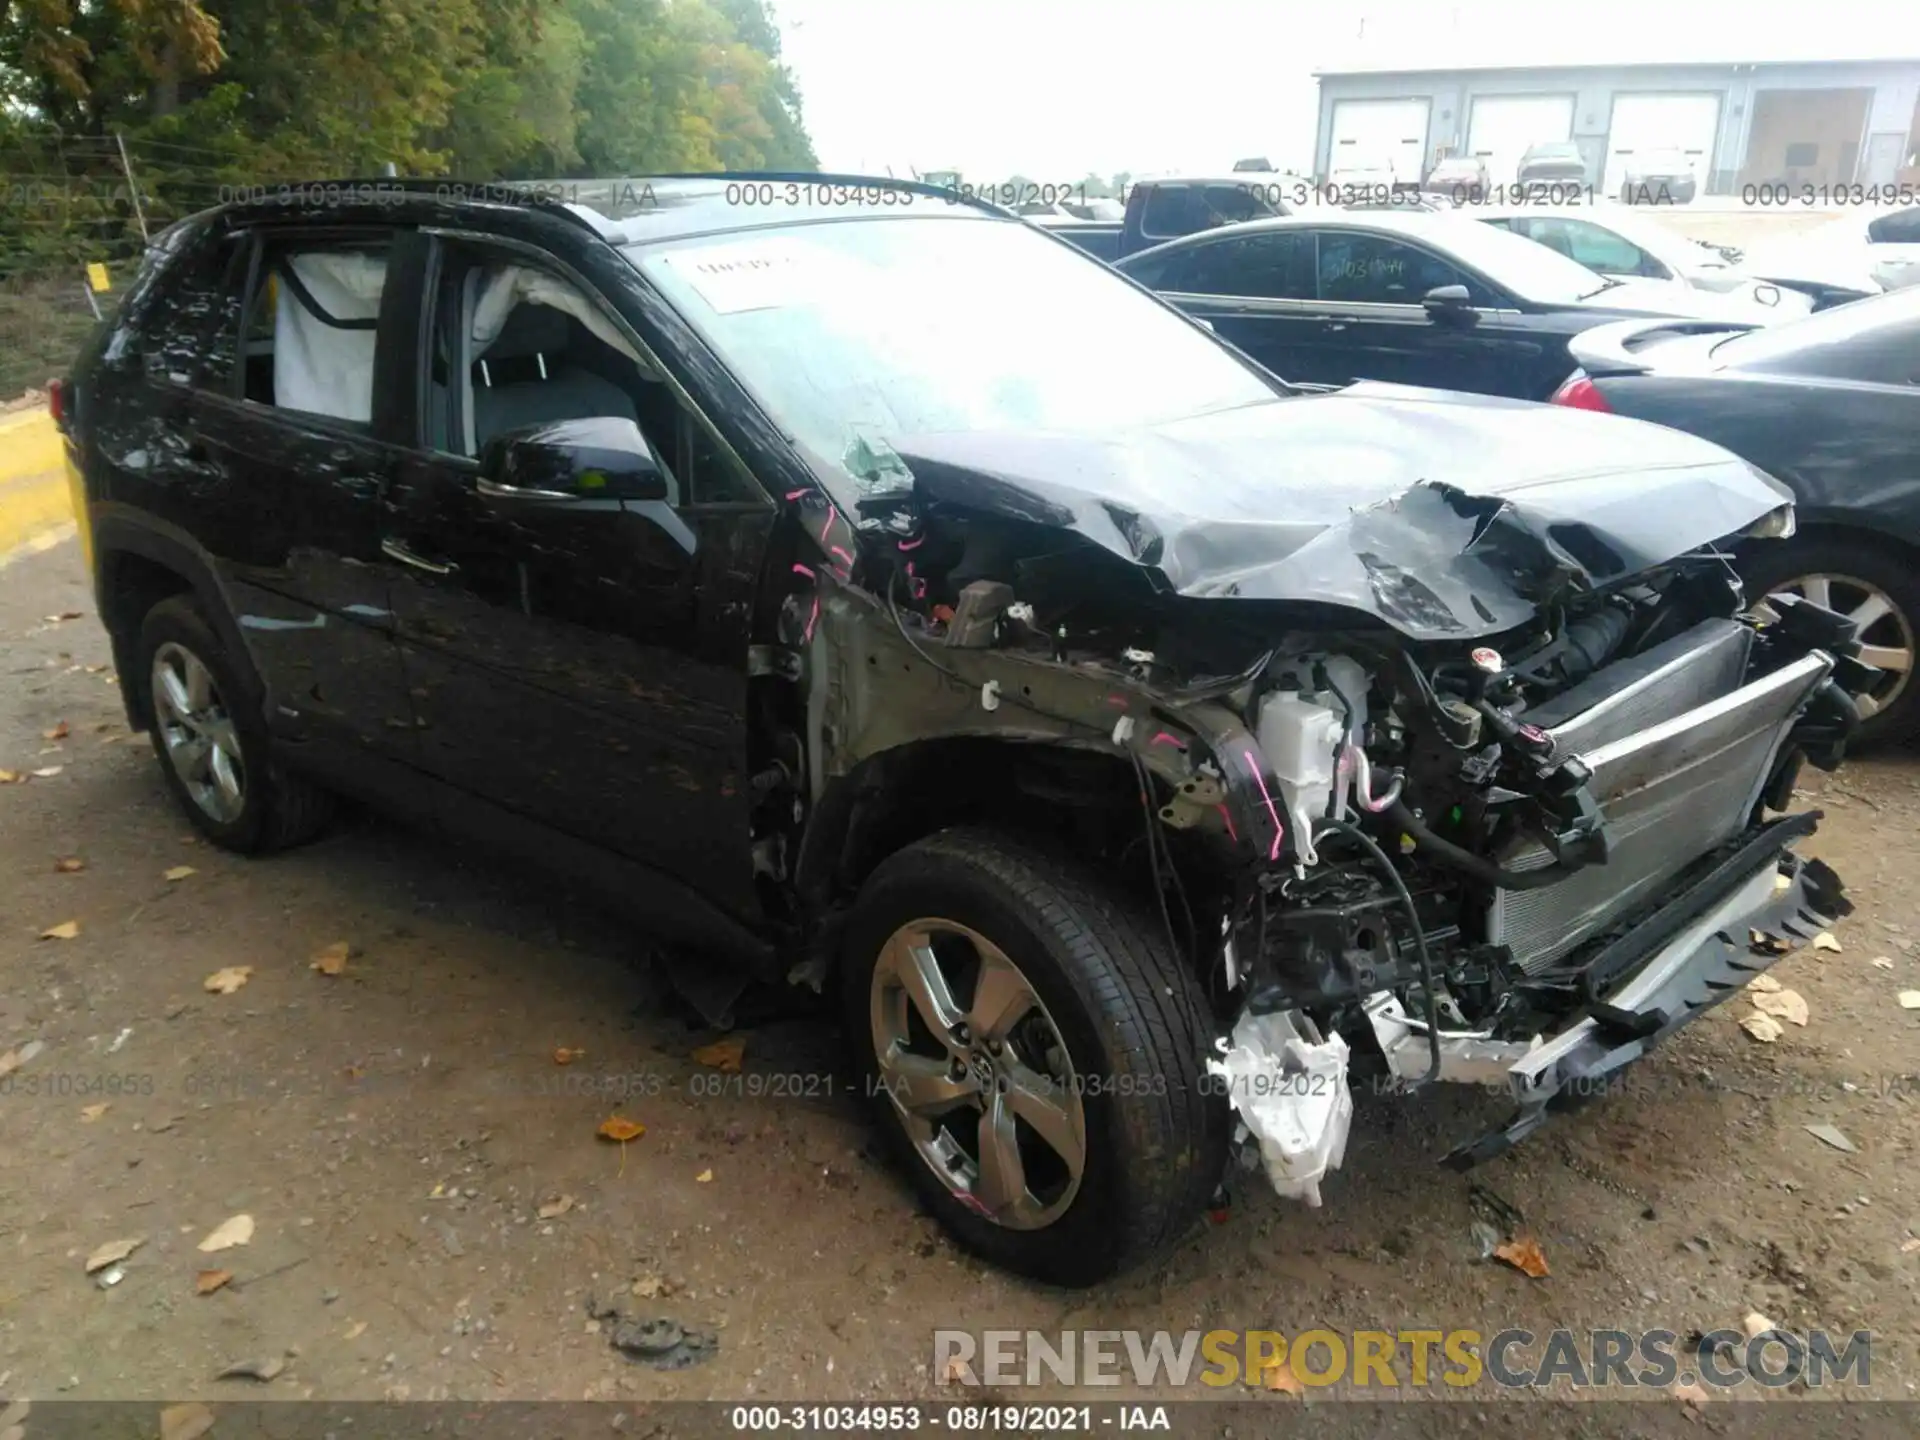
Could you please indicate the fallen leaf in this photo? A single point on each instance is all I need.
(12, 1060)
(1763, 984)
(65, 930)
(1763, 1028)
(11, 777)
(208, 1281)
(615, 1127)
(331, 959)
(1825, 941)
(262, 1370)
(58, 732)
(651, 1287)
(1279, 1377)
(1782, 882)
(1693, 1397)
(1769, 944)
(355, 1330)
(236, 1231)
(112, 1253)
(954, 1372)
(179, 872)
(47, 772)
(185, 1422)
(1523, 1254)
(556, 1207)
(1830, 1135)
(63, 615)
(705, 1177)
(1883, 962)
(227, 980)
(563, 1056)
(1788, 1005)
(91, 1113)
(723, 1055)
(1756, 1324)
(1909, 999)
(69, 865)
(1907, 1247)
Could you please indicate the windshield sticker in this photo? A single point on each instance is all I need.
(770, 275)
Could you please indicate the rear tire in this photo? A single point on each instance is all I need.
(1862, 579)
(214, 751)
(1123, 1034)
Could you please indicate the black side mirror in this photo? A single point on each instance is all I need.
(1447, 297)
(604, 457)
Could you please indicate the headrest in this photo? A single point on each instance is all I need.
(530, 330)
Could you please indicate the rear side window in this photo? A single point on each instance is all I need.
(190, 317)
(312, 312)
(1900, 228)
(1875, 340)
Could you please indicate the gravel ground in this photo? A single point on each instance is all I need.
(432, 1207)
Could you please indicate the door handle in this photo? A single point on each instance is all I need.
(398, 550)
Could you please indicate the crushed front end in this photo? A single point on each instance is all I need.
(1453, 787)
(1524, 864)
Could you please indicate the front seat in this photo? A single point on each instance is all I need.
(526, 378)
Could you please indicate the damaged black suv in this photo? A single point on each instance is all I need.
(874, 591)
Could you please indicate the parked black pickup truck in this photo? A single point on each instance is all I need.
(1162, 210)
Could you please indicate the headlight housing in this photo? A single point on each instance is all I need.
(1776, 524)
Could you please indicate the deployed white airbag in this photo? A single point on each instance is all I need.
(512, 285)
(320, 367)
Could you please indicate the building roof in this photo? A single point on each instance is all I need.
(1423, 65)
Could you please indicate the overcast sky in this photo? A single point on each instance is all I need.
(1054, 88)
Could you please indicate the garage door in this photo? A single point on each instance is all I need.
(1502, 128)
(1375, 132)
(1687, 123)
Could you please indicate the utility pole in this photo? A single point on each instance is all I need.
(133, 190)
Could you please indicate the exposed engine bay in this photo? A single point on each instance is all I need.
(1392, 843)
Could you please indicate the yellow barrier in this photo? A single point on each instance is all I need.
(35, 496)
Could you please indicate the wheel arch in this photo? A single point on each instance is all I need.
(137, 564)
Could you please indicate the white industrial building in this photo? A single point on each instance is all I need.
(1803, 122)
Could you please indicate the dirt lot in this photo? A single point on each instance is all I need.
(394, 1131)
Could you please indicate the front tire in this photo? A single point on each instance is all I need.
(1874, 588)
(213, 748)
(1034, 1055)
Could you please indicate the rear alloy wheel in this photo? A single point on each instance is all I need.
(1878, 595)
(214, 751)
(1034, 1056)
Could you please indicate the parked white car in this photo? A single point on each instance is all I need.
(1618, 242)
(1862, 249)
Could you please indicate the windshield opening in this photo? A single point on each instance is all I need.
(853, 334)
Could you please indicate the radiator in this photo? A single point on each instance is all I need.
(1679, 752)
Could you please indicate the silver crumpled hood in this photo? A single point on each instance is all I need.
(1447, 516)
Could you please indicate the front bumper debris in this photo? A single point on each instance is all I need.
(1290, 1092)
(1700, 963)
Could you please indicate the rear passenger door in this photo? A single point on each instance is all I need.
(576, 663)
(264, 454)
(1257, 292)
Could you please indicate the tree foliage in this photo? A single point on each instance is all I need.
(230, 92)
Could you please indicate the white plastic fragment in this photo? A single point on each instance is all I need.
(1291, 1095)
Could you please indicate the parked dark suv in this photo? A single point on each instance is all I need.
(872, 591)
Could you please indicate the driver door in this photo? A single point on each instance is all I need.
(576, 662)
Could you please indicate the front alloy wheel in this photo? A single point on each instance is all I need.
(1033, 1054)
(1884, 630)
(983, 1085)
